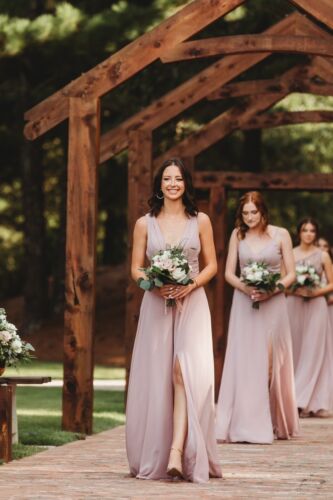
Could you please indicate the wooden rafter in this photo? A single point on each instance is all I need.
(187, 94)
(315, 84)
(280, 118)
(226, 123)
(127, 62)
(319, 9)
(247, 44)
(268, 180)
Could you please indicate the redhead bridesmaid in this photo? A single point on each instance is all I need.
(170, 407)
(257, 398)
(311, 328)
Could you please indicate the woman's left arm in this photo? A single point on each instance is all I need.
(209, 258)
(288, 259)
(328, 269)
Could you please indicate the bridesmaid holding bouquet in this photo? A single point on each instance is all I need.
(311, 328)
(170, 414)
(257, 399)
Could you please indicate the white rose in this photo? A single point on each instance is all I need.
(17, 346)
(10, 327)
(301, 278)
(258, 275)
(178, 274)
(5, 336)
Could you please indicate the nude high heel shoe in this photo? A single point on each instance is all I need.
(175, 468)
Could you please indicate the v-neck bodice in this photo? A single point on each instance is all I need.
(270, 254)
(190, 241)
(314, 259)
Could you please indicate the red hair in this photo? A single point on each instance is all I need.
(258, 200)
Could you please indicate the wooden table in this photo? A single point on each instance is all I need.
(8, 416)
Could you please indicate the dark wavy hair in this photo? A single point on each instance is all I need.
(307, 220)
(189, 202)
(256, 198)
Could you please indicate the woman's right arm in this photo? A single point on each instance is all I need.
(231, 265)
(139, 248)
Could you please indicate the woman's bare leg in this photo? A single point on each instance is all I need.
(179, 422)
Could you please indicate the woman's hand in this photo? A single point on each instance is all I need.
(259, 295)
(303, 291)
(177, 292)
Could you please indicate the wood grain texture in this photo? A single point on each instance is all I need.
(187, 94)
(6, 394)
(320, 9)
(218, 216)
(139, 190)
(82, 195)
(293, 181)
(127, 62)
(281, 118)
(247, 44)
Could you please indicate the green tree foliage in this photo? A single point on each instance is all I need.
(44, 44)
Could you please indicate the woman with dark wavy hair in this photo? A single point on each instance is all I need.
(170, 404)
(311, 327)
(257, 399)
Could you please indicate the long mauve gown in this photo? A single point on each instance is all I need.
(162, 336)
(312, 336)
(253, 406)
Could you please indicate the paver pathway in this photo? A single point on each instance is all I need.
(97, 468)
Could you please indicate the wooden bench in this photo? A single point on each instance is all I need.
(8, 417)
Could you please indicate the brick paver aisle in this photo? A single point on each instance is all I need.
(97, 468)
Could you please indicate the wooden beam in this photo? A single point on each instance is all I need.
(280, 181)
(280, 118)
(314, 85)
(218, 216)
(80, 286)
(127, 62)
(6, 394)
(319, 9)
(247, 44)
(139, 190)
(224, 124)
(187, 94)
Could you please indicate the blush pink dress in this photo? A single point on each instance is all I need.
(254, 406)
(162, 336)
(312, 335)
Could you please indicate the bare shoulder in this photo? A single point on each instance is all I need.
(235, 234)
(203, 220)
(141, 225)
(326, 257)
(278, 232)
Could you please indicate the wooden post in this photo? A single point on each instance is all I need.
(83, 159)
(139, 190)
(218, 215)
(6, 422)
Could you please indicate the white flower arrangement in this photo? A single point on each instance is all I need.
(12, 349)
(306, 276)
(257, 275)
(168, 266)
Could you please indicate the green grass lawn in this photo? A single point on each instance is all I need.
(39, 408)
(55, 370)
(39, 417)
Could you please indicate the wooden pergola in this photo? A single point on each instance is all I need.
(79, 101)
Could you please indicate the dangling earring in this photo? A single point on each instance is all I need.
(159, 197)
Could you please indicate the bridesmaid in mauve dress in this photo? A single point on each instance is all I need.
(311, 329)
(324, 245)
(257, 398)
(170, 415)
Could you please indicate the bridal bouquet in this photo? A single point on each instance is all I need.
(306, 276)
(12, 349)
(257, 274)
(168, 266)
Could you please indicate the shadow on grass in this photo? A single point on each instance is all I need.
(39, 418)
